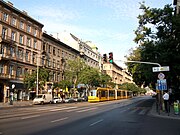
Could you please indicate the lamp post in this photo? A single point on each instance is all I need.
(37, 79)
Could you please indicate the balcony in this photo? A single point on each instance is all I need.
(6, 39)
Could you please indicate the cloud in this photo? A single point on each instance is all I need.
(122, 9)
(60, 14)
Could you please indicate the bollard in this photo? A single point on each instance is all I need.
(176, 108)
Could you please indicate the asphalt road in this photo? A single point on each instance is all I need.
(123, 117)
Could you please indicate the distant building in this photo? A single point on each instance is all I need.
(91, 56)
(117, 73)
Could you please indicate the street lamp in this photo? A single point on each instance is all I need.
(37, 79)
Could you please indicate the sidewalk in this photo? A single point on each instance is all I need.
(163, 114)
(16, 104)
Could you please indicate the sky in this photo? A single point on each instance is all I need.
(109, 24)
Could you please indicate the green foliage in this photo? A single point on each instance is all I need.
(77, 72)
(30, 79)
(73, 69)
(90, 76)
(132, 87)
(158, 36)
(63, 84)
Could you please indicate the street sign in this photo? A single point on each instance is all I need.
(159, 69)
(162, 85)
(161, 76)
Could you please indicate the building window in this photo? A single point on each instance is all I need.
(58, 64)
(58, 52)
(49, 49)
(34, 58)
(5, 17)
(44, 47)
(58, 77)
(35, 32)
(54, 63)
(54, 52)
(26, 71)
(1, 69)
(21, 39)
(54, 76)
(21, 25)
(28, 28)
(49, 63)
(4, 32)
(11, 70)
(20, 54)
(43, 60)
(13, 21)
(27, 57)
(18, 71)
(12, 51)
(35, 44)
(13, 36)
(28, 42)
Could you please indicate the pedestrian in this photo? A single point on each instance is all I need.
(166, 100)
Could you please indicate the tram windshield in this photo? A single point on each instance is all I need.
(93, 93)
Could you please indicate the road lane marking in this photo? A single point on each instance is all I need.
(96, 122)
(143, 112)
(28, 117)
(59, 119)
(88, 109)
(62, 109)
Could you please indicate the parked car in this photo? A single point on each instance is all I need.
(57, 100)
(79, 99)
(69, 100)
(43, 98)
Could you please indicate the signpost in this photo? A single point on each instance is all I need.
(159, 69)
(162, 85)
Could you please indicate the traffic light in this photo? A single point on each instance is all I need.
(104, 57)
(111, 57)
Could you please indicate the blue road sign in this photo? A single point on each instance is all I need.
(162, 85)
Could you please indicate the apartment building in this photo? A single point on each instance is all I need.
(91, 57)
(20, 45)
(54, 56)
(117, 73)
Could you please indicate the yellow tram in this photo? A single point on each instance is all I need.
(106, 94)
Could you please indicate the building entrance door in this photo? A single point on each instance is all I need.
(1, 92)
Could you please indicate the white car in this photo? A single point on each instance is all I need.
(57, 100)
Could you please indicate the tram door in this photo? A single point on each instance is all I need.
(1, 93)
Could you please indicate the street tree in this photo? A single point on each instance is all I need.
(73, 69)
(90, 77)
(30, 80)
(158, 39)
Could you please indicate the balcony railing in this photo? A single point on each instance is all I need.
(6, 39)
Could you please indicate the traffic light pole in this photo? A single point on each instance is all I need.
(152, 63)
(159, 94)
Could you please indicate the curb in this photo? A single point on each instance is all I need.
(163, 114)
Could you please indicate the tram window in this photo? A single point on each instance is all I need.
(111, 93)
(119, 93)
(91, 93)
(124, 94)
(103, 93)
